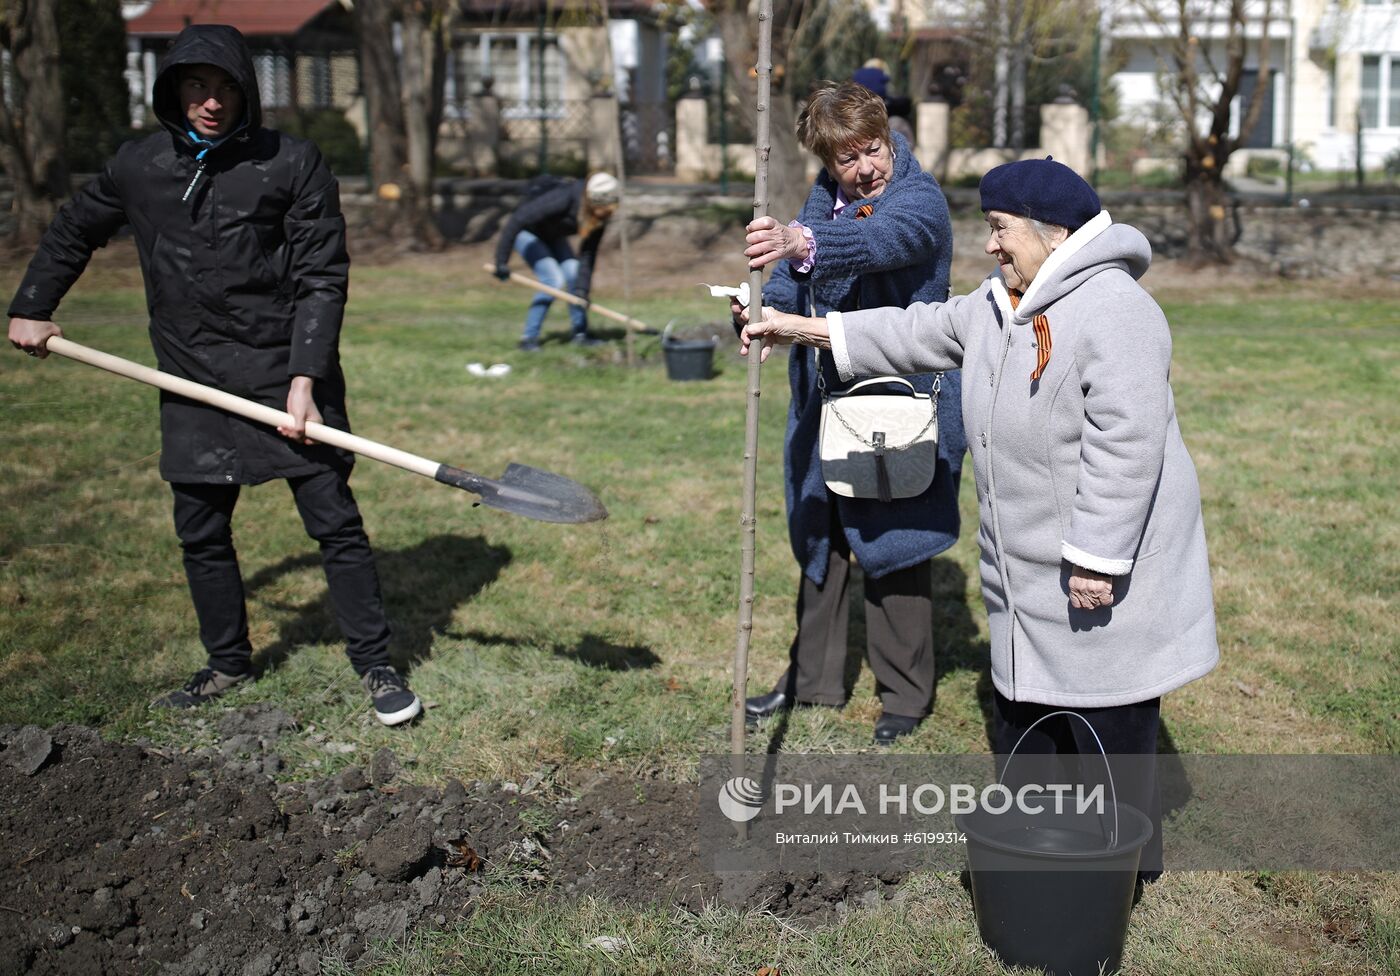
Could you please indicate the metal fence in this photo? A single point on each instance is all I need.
(555, 138)
(649, 137)
(551, 137)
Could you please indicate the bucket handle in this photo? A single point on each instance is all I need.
(1113, 838)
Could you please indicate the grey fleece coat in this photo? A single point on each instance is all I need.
(1085, 465)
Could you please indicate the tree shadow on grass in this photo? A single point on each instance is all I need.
(590, 650)
(423, 586)
(595, 652)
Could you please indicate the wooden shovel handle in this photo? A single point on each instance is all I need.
(240, 406)
(564, 296)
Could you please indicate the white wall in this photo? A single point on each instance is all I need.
(1322, 31)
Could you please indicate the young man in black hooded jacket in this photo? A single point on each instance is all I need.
(242, 246)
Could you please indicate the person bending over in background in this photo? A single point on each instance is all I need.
(242, 245)
(539, 231)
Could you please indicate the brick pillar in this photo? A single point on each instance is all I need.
(932, 136)
(604, 149)
(692, 138)
(485, 133)
(1065, 133)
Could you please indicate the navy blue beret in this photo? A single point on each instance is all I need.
(1042, 189)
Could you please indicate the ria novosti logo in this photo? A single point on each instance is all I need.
(740, 799)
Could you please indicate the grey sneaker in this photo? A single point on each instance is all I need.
(206, 685)
(393, 702)
(584, 339)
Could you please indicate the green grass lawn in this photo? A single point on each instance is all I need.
(575, 648)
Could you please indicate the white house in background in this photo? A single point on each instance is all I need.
(1362, 81)
(1333, 65)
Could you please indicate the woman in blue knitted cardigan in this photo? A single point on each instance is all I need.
(874, 231)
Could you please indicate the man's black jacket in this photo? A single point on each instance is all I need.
(245, 267)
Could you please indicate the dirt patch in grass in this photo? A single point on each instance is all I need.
(123, 859)
(637, 841)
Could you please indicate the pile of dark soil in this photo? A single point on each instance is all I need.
(123, 859)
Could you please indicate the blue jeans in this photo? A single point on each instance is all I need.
(554, 264)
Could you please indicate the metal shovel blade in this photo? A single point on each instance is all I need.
(530, 492)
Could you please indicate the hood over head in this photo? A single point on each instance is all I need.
(1098, 246)
(216, 44)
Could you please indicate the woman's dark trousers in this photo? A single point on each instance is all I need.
(898, 635)
(203, 521)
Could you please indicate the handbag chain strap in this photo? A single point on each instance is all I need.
(881, 447)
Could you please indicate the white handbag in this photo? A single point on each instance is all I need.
(879, 439)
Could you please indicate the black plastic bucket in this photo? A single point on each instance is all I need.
(1054, 890)
(689, 359)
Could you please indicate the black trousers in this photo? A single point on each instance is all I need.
(898, 635)
(203, 521)
(1124, 730)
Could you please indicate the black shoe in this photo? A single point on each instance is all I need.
(890, 727)
(206, 685)
(529, 345)
(774, 702)
(763, 706)
(584, 339)
(393, 702)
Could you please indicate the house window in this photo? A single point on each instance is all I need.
(314, 81)
(1393, 119)
(1332, 93)
(513, 62)
(1370, 107)
(274, 71)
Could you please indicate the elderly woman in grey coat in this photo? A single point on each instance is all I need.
(1093, 550)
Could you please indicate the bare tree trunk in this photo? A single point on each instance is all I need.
(748, 518)
(1205, 81)
(379, 67)
(1017, 136)
(788, 185)
(423, 64)
(1002, 72)
(31, 117)
(1018, 54)
(787, 162)
(617, 153)
(1212, 233)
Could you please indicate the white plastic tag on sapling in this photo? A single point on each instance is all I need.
(724, 291)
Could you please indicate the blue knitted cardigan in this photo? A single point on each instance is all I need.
(898, 255)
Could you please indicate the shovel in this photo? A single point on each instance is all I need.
(522, 490)
(634, 324)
